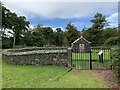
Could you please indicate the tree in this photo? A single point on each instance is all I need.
(16, 24)
(34, 38)
(22, 27)
(6, 19)
(19, 26)
(65, 42)
(95, 33)
(38, 28)
(110, 32)
(99, 21)
(58, 37)
(72, 34)
(47, 33)
(112, 41)
(7, 42)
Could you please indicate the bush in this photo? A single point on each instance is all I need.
(20, 46)
(116, 62)
(7, 42)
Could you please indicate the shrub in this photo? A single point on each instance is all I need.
(116, 62)
(7, 42)
(20, 46)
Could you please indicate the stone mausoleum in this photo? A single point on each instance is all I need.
(81, 45)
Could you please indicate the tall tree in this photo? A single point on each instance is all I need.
(94, 33)
(16, 24)
(99, 21)
(6, 19)
(72, 34)
(58, 37)
(21, 28)
(47, 33)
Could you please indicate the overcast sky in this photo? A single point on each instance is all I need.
(58, 14)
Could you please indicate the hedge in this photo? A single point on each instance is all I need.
(116, 62)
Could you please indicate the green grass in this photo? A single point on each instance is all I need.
(82, 60)
(0, 69)
(16, 76)
(95, 56)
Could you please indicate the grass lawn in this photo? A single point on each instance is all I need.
(0, 69)
(16, 76)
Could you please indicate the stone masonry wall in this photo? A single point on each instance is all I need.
(37, 56)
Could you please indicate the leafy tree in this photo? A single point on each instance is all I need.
(19, 27)
(7, 42)
(65, 42)
(6, 19)
(58, 37)
(72, 34)
(38, 28)
(34, 37)
(47, 33)
(95, 33)
(16, 24)
(94, 36)
(109, 32)
(99, 21)
(112, 41)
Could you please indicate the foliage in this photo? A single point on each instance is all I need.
(94, 34)
(17, 24)
(112, 41)
(110, 32)
(7, 42)
(45, 36)
(98, 37)
(116, 61)
(20, 46)
(65, 42)
(99, 21)
(71, 34)
(34, 39)
(58, 37)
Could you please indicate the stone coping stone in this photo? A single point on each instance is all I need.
(34, 51)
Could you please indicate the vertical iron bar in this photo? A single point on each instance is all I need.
(75, 58)
(90, 60)
(110, 60)
(78, 59)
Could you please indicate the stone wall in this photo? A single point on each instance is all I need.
(38, 56)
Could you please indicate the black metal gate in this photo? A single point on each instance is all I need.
(95, 58)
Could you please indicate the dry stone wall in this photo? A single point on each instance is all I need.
(37, 56)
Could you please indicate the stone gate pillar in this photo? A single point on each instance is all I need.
(70, 57)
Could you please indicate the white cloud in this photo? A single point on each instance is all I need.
(60, 0)
(54, 28)
(31, 26)
(113, 19)
(7, 32)
(78, 24)
(60, 9)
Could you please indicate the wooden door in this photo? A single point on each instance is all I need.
(82, 47)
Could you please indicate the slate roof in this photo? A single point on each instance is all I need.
(79, 39)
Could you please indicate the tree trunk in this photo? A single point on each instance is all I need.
(14, 37)
(3, 32)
